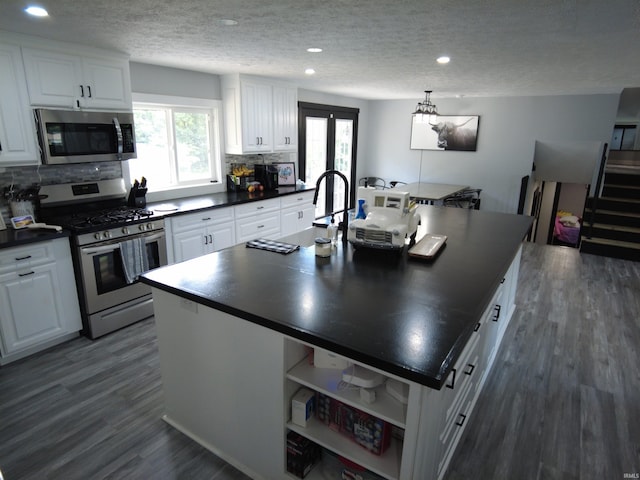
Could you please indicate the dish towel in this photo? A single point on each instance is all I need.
(134, 258)
(272, 246)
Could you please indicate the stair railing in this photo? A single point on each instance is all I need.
(596, 196)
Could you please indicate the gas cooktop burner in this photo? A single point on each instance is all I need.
(104, 218)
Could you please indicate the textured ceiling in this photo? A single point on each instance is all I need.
(373, 49)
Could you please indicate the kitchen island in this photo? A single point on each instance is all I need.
(235, 328)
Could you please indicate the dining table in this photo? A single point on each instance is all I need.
(429, 192)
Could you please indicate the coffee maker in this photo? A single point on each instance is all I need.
(267, 175)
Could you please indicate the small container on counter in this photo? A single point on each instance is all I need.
(323, 247)
(332, 231)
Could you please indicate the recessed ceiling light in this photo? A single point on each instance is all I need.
(309, 71)
(228, 22)
(443, 60)
(314, 50)
(36, 11)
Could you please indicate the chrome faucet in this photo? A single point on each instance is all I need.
(345, 216)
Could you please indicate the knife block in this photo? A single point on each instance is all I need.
(137, 197)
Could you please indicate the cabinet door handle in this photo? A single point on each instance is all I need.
(22, 258)
(206, 218)
(497, 314)
(477, 327)
(206, 240)
(471, 368)
(211, 239)
(0, 146)
(89, 89)
(25, 274)
(461, 422)
(502, 281)
(82, 91)
(259, 208)
(260, 226)
(453, 379)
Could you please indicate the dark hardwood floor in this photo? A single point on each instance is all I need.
(562, 402)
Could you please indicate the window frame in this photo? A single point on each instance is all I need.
(177, 103)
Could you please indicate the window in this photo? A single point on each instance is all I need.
(177, 142)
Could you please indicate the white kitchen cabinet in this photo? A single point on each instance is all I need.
(285, 118)
(17, 134)
(190, 236)
(297, 212)
(259, 219)
(38, 299)
(57, 79)
(260, 115)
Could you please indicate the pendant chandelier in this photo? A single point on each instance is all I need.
(426, 112)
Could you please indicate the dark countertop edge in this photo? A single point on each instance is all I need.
(14, 238)
(435, 380)
(194, 204)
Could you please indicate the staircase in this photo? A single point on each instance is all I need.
(614, 229)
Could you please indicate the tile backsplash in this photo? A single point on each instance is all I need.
(23, 177)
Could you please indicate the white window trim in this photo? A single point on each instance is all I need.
(190, 102)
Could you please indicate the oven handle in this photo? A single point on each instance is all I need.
(116, 246)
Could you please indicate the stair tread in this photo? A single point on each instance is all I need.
(609, 226)
(605, 211)
(619, 199)
(622, 185)
(616, 243)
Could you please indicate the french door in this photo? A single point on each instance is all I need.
(328, 141)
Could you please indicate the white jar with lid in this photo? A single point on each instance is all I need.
(323, 247)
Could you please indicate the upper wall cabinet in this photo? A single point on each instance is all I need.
(17, 134)
(57, 79)
(260, 115)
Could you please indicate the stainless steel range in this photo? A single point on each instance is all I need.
(100, 221)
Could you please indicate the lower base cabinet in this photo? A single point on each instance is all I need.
(236, 399)
(38, 299)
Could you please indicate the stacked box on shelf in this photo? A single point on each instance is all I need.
(367, 430)
(302, 454)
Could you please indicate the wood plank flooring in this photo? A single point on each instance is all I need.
(563, 399)
(562, 402)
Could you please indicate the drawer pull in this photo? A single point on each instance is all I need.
(26, 274)
(260, 226)
(502, 281)
(471, 368)
(453, 379)
(260, 207)
(497, 309)
(205, 219)
(461, 422)
(477, 327)
(22, 258)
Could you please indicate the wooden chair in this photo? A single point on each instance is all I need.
(376, 182)
(469, 198)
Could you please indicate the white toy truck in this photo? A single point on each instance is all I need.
(389, 219)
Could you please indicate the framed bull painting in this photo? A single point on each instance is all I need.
(447, 132)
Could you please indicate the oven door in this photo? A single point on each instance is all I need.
(103, 279)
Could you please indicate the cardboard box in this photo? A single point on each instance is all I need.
(303, 406)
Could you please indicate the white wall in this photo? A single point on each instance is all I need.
(508, 130)
(173, 81)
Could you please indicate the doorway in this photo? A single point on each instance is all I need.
(328, 141)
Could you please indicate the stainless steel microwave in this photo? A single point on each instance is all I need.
(70, 136)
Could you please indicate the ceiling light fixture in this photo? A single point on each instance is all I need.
(314, 50)
(443, 60)
(426, 112)
(309, 71)
(36, 11)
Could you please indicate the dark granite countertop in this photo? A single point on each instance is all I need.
(167, 208)
(405, 316)
(14, 238)
(185, 205)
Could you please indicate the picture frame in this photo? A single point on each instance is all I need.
(21, 221)
(447, 133)
(286, 173)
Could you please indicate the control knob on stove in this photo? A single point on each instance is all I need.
(125, 230)
(107, 235)
(97, 236)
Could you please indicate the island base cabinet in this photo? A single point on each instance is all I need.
(223, 383)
